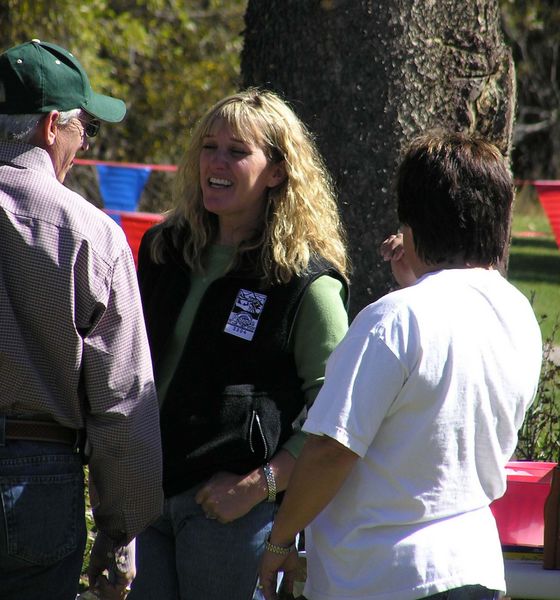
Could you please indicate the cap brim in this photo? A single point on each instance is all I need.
(106, 108)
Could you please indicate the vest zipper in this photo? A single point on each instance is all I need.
(256, 419)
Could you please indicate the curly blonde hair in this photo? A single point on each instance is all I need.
(301, 217)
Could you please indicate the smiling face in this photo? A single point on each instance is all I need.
(234, 178)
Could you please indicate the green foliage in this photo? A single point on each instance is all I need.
(168, 59)
(90, 526)
(539, 437)
(532, 28)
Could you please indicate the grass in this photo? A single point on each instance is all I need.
(534, 262)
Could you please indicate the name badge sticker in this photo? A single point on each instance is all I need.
(245, 313)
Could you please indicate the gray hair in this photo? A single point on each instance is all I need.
(21, 128)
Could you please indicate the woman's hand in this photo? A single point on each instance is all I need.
(227, 496)
(392, 249)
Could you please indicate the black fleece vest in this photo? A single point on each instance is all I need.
(235, 397)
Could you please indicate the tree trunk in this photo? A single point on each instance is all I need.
(368, 76)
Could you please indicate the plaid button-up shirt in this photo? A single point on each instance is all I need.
(73, 345)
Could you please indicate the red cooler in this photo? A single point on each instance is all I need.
(519, 512)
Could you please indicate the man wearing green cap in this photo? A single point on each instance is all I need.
(75, 373)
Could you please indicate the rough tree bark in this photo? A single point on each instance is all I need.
(366, 76)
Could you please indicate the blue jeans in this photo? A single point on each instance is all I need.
(185, 556)
(42, 523)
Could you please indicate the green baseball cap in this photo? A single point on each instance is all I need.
(37, 77)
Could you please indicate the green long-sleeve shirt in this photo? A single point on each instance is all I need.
(320, 324)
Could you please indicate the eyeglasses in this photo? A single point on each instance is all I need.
(91, 127)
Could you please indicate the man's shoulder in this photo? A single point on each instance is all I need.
(31, 185)
(68, 216)
(70, 211)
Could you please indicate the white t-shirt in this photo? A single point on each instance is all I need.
(429, 387)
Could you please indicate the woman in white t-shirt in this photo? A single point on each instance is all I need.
(422, 401)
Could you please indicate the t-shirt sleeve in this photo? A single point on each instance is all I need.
(363, 378)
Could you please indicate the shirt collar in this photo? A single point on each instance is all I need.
(26, 156)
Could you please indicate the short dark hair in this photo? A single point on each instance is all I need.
(455, 191)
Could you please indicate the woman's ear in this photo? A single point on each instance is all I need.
(277, 174)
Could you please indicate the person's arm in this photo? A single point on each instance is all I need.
(320, 471)
(321, 323)
(363, 377)
(227, 496)
(122, 416)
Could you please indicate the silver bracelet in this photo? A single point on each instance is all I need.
(270, 482)
(276, 549)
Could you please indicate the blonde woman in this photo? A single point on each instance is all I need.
(245, 289)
